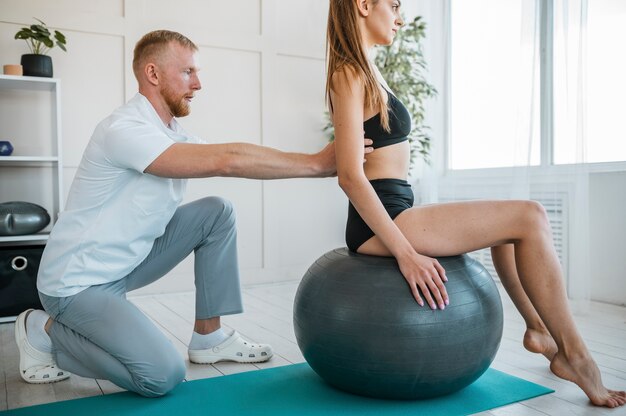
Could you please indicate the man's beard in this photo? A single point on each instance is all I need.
(179, 107)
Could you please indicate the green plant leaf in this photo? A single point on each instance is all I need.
(25, 33)
(48, 42)
(41, 30)
(60, 40)
(60, 37)
(39, 38)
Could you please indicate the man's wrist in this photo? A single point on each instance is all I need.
(319, 169)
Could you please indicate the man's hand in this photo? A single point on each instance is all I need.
(367, 148)
(328, 164)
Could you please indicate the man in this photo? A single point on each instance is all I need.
(123, 228)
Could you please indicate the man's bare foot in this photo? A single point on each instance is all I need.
(584, 372)
(540, 342)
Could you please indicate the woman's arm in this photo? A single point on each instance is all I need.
(347, 98)
(348, 114)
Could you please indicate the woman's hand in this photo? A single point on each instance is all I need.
(426, 276)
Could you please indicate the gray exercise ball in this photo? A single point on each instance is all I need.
(359, 327)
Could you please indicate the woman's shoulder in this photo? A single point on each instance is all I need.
(347, 77)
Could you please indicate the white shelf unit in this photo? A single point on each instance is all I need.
(30, 118)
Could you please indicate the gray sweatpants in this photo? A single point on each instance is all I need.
(97, 333)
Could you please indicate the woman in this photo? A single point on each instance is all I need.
(383, 222)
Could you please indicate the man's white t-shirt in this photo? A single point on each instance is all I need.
(114, 211)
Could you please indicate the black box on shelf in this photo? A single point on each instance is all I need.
(18, 279)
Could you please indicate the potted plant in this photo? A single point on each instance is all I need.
(39, 40)
(403, 65)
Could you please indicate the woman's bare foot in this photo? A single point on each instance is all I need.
(540, 342)
(584, 372)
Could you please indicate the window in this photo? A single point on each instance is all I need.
(496, 100)
(605, 90)
(492, 66)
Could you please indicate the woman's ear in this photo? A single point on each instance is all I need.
(364, 7)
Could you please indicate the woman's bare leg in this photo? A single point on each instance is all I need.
(537, 338)
(451, 229)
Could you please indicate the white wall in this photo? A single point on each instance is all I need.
(607, 212)
(263, 82)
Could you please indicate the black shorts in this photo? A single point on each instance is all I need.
(396, 196)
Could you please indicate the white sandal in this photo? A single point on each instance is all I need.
(234, 348)
(36, 367)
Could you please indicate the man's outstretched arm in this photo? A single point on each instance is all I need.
(243, 160)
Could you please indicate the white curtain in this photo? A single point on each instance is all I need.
(570, 48)
(528, 173)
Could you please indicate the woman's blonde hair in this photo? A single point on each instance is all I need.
(344, 52)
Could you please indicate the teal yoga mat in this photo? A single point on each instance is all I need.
(290, 390)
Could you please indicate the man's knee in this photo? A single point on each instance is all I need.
(162, 378)
(221, 209)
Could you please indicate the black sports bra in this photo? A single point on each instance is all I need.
(399, 124)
